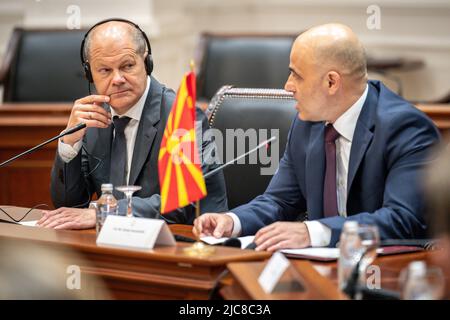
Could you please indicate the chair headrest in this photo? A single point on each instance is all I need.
(46, 67)
(246, 61)
(247, 117)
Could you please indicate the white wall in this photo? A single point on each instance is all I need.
(416, 29)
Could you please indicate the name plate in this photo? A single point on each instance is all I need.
(274, 269)
(134, 233)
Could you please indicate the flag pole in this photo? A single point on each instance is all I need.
(198, 249)
(197, 209)
(197, 203)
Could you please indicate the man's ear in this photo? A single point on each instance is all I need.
(333, 81)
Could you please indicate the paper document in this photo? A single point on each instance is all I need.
(29, 223)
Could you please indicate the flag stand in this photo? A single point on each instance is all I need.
(186, 184)
(199, 249)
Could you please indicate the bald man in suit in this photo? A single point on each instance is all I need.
(355, 152)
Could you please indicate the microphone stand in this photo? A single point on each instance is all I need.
(62, 134)
(223, 166)
(353, 287)
(198, 249)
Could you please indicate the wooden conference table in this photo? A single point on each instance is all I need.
(318, 279)
(167, 273)
(162, 273)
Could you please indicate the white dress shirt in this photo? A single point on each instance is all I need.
(68, 152)
(320, 234)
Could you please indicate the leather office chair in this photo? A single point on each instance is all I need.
(250, 61)
(43, 66)
(239, 108)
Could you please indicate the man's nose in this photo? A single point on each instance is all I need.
(118, 78)
(288, 86)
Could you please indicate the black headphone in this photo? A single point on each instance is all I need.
(86, 66)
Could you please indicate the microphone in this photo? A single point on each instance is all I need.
(62, 134)
(236, 243)
(232, 242)
(251, 246)
(352, 287)
(223, 166)
(181, 238)
(79, 126)
(352, 282)
(427, 244)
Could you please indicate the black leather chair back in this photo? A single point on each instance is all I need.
(252, 61)
(46, 67)
(266, 112)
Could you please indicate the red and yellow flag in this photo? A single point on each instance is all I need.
(180, 175)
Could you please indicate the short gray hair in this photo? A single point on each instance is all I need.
(136, 36)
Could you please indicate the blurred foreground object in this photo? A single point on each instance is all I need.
(29, 271)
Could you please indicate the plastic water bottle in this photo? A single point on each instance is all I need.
(107, 204)
(350, 249)
(421, 282)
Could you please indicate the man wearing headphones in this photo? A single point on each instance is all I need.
(125, 122)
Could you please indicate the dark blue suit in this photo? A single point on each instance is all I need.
(73, 183)
(389, 149)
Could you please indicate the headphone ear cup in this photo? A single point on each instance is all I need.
(149, 64)
(87, 72)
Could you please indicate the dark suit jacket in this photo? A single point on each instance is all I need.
(390, 146)
(72, 184)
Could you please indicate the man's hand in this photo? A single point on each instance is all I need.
(87, 110)
(68, 218)
(282, 235)
(213, 224)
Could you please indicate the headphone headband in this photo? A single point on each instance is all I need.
(148, 60)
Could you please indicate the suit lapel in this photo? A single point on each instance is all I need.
(315, 168)
(102, 139)
(147, 130)
(362, 137)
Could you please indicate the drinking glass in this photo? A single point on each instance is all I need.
(370, 241)
(129, 190)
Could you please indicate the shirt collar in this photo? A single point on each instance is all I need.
(135, 111)
(346, 123)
